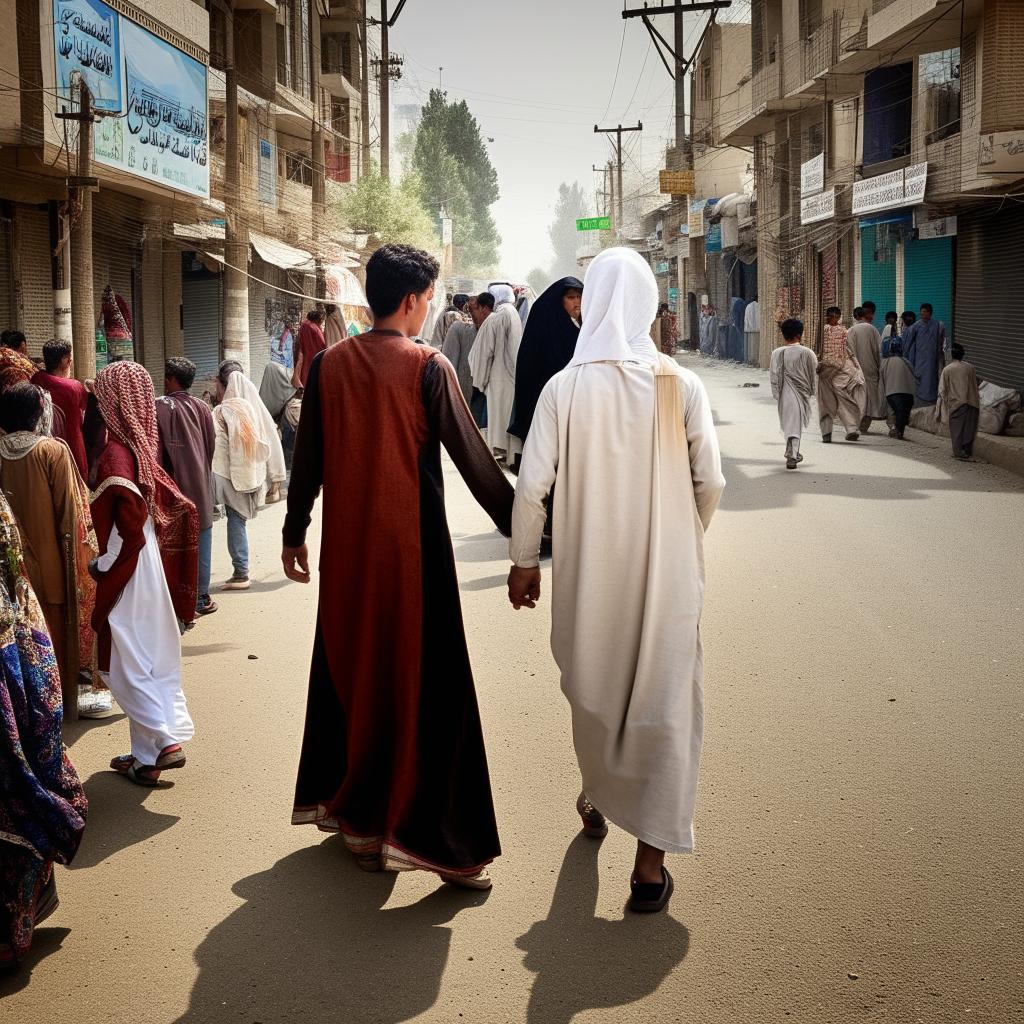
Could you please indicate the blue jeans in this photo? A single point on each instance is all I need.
(205, 557)
(238, 542)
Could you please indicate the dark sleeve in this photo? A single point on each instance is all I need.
(128, 511)
(209, 433)
(307, 461)
(463, 441)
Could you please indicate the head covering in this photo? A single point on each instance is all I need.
(549, 340)
(244, 460)
(502, 293)
(14, 368)
(240, 387)
(619, 304)
(124, 392)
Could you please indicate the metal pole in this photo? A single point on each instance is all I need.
(618, 153)
(364, 98)
(83, 310)
(682, 142)
(385, 94)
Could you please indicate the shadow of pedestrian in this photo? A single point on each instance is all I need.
(45, 942)
(583, 962)
(313, 943)
(484, 583)
(118, 818)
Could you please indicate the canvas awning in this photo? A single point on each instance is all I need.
(281, 254)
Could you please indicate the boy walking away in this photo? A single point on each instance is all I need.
(792, 371)
(841, 386)
(899, 385)
(959, 403)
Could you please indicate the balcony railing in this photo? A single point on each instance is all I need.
(821, 48)
(766, 85)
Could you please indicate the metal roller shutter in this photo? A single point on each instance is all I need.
(201, 313)
(114, 261)
(877, 268)
(6, 276)
(989, 272)
(928, 277)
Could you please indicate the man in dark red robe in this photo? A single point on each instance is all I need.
(393, 754)
(69, 395)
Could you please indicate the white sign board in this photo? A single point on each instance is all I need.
(267, 173)
(943, 227)
(888, 191)
(696, 217)
(812, 175)
(819, 207)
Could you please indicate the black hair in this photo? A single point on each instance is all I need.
(330, 308)
(316, 315)
(957, 351)
(833, 309)
(54, 352)
(892, 315)
(485, 299)
(12, 339)
(928, 306)
(459, 300)
(909, 316)
(792, 329)
(228, 367)
(180, 369)
(21, 407)
(394, 272)
(858, 312)
(869, 305)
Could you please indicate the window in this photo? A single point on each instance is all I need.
(939, 84)
(283, 68)
(218, 38)
(340, 115)
(810, 17)
(336, 54)
(704, 79)
(298, 167)
(888, 103)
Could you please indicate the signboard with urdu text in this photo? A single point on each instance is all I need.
(267, 173)
(676, 183)
(1001, 153)
(819, 207)
(888, 191)
(87, 39)
(696, 217)
(713, 238)
(594, 224)
(812, 175)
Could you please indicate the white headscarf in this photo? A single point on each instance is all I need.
(502, 293)
(240, 387)
(620, 300)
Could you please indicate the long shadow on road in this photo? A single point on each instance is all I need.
(313, 943)
(584, 962)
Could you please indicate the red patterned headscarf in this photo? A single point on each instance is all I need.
(14, 368)
(124, 391)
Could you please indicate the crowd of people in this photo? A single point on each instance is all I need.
(107, 521)
(864, 376)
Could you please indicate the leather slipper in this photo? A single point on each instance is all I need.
(648, 897)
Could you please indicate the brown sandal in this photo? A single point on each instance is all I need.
(139, 773)
(595, 824)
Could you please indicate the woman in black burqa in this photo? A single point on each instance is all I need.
(549, 341)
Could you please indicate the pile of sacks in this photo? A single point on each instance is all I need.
(1000, 410)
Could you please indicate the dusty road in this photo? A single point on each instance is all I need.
(860, 823)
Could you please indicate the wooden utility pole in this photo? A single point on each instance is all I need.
(236, 228)
(385, 93)
(83, 309)
(617, 132)
(364, 98)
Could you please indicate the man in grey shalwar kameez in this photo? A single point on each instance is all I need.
(866, 345)
(793, 372)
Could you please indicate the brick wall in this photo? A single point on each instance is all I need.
(33, 288)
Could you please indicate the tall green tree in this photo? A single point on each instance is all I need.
(457, 175)
(572, 203)
(389, 212)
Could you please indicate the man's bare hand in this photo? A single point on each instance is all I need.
(524, 587)
(296, 563)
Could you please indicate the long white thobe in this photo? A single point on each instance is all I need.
(493, 366)
(145, 653)
(793, 374)
(633, 498)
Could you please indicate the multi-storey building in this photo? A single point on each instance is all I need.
(888, 143)
(156, 169)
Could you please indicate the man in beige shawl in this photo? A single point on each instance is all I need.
(630, 437)
(247, 458)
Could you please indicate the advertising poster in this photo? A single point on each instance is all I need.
(162, 132)
(87, 39)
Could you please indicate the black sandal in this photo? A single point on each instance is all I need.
(649, 897)
(595, 824)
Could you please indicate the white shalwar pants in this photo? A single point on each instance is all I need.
(145, 654)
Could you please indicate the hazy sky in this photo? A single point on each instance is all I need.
(538, 74)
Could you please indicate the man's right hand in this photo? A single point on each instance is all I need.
(296, 563)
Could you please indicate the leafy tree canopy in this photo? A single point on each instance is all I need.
(389, 212)
(572, 203)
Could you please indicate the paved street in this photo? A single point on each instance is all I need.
(860, 828)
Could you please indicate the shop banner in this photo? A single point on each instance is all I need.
(162, 133)
(713, 238)
(812, 175)
(696, 217)
(888, 191)
(87, 39)
(819, 207)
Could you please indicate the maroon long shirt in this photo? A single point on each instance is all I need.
(187, 440)
(311, 341)
(69, 395)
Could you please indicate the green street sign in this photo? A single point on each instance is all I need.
(594, 224)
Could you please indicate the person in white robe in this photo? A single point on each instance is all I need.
(630, 437)
(793, 371)
(866, 344)
(492, 363)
